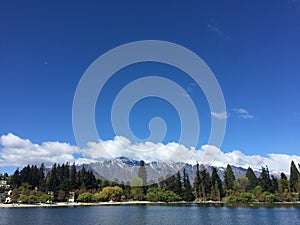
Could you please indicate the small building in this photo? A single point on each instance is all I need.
(71, 198)
(3, 183)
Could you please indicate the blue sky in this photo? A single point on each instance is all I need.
(252, 47)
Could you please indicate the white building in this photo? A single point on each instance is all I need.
(3, 183)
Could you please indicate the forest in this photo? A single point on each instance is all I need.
(60, 183)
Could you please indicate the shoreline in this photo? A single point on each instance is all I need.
(81, 204)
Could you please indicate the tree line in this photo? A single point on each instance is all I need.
(35, 184)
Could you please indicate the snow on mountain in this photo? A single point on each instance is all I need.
(124, 169)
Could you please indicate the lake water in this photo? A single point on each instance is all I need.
(149, 214)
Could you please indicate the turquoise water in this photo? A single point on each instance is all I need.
(149, 214)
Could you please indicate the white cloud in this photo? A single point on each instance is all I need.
(20, 152)
(220, 116)
(242, 113)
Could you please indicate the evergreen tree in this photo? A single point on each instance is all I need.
(274, 182)
(64, 177)
(265, 181)
(34, 176)
(170, 182)
(252, 179)
(205, 182)
(15, 179)
(283, 176)
(52, 181)
(229, 178)
(74, 178)
(294, 177)
(25, 175)
(283, 184)
(216, 184)
(197, 182)
(187, 188)
(41, 177)
(178, 185)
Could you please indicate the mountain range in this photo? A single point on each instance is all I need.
(123, 169)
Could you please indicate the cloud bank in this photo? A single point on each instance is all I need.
(15, 151)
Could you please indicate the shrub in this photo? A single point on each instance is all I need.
(85, 197)
(158, 194)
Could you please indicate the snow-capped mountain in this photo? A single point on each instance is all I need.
(124, 169)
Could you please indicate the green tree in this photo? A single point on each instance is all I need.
(197, 183)
(265, 180)
(28, 199)
(283, 184)
(73, 177)
(170, 182)
(274, 182)
(85, 197)
(52, 181)
(283, 176)
(137, 193)
(294, 178)
(45, 198)
(229, 178)
(109, 193)
(158, 194)
(178, 184)
(187, 188)
(241, 183)
(205, 184)
(216, 183)
(41, 177)
(253, 180)
(15, 179)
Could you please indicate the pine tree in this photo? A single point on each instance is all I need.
(15, 179)
(25, 175)
(283, 176)
(41, 177)
(34, 176)
(283, 184)
(216, 183)
(205, 184)
(253, 180)
(197, 182)
(52, 181)
(73, 177)
(274, 182)
(187, 188)
(178, 184)
(294, 177)
(229, 178)
(265, 180)
(170, 182)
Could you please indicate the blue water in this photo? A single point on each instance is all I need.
(149, 214)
